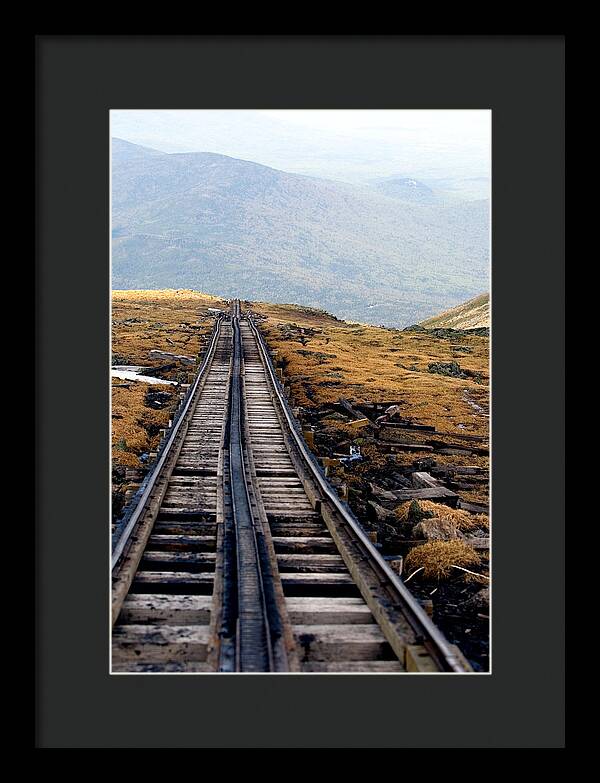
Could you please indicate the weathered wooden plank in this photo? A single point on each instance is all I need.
(172, 581)
(303, 544)
(289, 516)
(310, 563)
(463, 436)
(335, 642)
(159, 643)
(275, 472)
(200, 470)
(199, 531)
(201, 517)
(282, 531)
(393, 446)
(422, 480)
(377, 406)
(276, 506)
(390, 618)
(474, 508)
(175, 541)
(451, 449)
(316, 579)
(192, 561)
(407, 425)
(193, 667)
(340, 667)
(278, 491)
(192, 508)
(417, 659)
(168, 609)
(328, 611)
(318, 584)
(437, 494)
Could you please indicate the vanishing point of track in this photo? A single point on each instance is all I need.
(238, 555)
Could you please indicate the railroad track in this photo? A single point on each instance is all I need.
(238, 555)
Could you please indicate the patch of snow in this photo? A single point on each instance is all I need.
(128, 368)
(128, 375)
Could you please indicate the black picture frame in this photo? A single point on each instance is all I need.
(78, 79)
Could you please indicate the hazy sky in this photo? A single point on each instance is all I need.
(355, 145)
(470, 127)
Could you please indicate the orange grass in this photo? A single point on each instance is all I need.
(371, 363)
(172, 321)
(436, 558)
(461, 520)
(167, 320)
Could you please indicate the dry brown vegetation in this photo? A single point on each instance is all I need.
(425, 509)
(324, 359)
(334, 358)
(135, 427)
(470, 315)
(173, 321)
(436, 558)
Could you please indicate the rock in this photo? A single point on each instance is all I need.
(318, 356)
(435, 530)
(382, 494)
(386, 523)
(382, 514)
(425, 463)
(157, 400)
(401, 481)
(478, 602)
(451, 369)
(155, 354)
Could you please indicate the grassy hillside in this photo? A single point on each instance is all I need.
(473, 314)
(323, 359)
(142, 321)
(438, 378)
(332, 359)
(237, 228)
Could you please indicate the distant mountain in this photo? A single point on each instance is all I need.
(473, 314)
(237, 228)
(406, 189)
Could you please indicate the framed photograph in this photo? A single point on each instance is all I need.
(302, 306)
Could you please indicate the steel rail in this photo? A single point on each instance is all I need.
(432, 638)
(253, 636)
(121, 542)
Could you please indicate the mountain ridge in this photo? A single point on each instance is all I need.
(474, 314)
(239, 228)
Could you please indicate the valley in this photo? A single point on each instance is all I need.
(391, 253)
